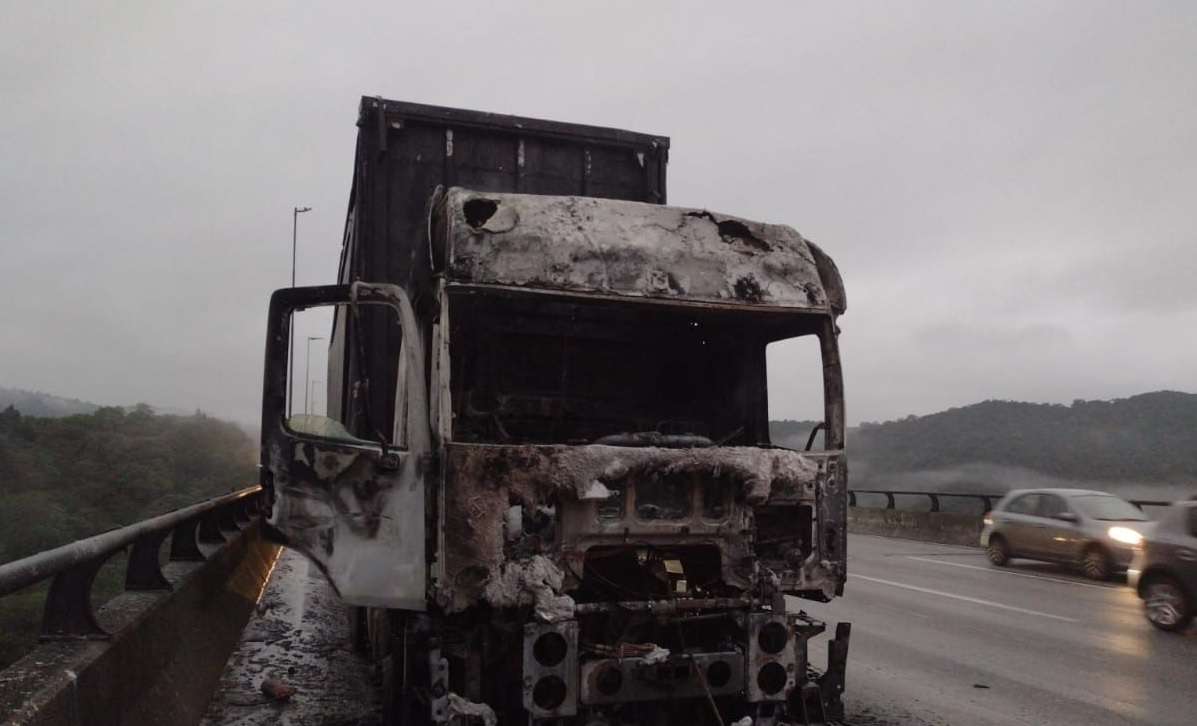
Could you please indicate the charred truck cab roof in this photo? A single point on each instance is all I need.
(588, 246)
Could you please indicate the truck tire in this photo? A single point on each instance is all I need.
(1166, 604)
(405, 682)
(359, 632)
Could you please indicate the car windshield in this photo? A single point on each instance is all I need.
(1108, 508)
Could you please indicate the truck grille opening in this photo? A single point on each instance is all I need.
(783, 534)
(649, 573)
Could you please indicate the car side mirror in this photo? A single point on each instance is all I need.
(1068, 517)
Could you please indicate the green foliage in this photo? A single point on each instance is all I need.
(62, 479)
(1144, 438)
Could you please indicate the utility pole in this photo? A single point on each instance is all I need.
(296, 211)
(307, 367)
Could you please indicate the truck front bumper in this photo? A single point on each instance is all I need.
(769, 666)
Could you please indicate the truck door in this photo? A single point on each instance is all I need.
(351, 498)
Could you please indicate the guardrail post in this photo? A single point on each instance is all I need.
(68, 614)
(226, 518)
(242, 515)
(934, 501)
(851, 499)
(988, 503)
(144, 569)
(183, 547)
(209, 529)
(889, 501)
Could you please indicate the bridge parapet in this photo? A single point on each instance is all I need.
(945, 517)
(154, 653)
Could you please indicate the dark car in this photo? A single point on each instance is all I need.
(1164, 570)
(1095, 530)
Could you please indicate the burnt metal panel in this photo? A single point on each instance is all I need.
(621, 248)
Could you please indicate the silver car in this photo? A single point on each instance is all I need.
(1164, 571)
(1095, 530)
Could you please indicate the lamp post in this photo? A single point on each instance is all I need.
(295, 212)
(314, 387)
(307, 367)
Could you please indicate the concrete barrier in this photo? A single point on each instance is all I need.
(164, 658)
(943, 527)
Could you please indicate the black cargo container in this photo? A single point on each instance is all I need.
(405, 151)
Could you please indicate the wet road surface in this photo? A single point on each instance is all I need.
(941, 637)
(299, 637)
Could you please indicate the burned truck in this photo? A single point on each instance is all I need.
(544, 479)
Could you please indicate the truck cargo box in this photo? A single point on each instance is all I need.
(406, 150)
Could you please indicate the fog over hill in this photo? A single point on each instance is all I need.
(36, 403)
(1143, 446)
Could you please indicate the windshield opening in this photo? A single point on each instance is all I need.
(539, 370)
(1108, 508)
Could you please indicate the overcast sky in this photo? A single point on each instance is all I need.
(1010, 189)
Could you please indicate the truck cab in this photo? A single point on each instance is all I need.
(545, 478)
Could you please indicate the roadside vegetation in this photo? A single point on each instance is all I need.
(70, 477)
(1134, 445)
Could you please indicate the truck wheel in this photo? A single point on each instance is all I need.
(1095, 563)
(405, 681)
(1166, 604)
(998, 551)
(359, 632)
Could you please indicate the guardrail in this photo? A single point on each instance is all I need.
(195, 533)
(987, 500)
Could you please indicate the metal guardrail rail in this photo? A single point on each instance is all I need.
(195, 533)
(986, 499)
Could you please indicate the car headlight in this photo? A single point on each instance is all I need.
(987, 520)
(1125, 535)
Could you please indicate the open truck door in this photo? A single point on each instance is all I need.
(351, 500)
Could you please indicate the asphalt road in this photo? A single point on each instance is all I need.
(941, 637)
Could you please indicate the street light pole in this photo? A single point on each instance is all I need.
(307, 367)
(295, 212)
(315, 385)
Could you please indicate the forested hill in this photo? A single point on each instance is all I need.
(36, 403)
(69, 477)
(1149, 438)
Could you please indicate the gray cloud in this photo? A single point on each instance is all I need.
(1006, 187)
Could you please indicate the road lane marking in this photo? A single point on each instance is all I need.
(1014, 574)
(974, 600)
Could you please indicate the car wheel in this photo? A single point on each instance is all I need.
(1166, 605)
(998, 551)
(1096, 564)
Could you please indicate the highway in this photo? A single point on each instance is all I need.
(941, 637)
